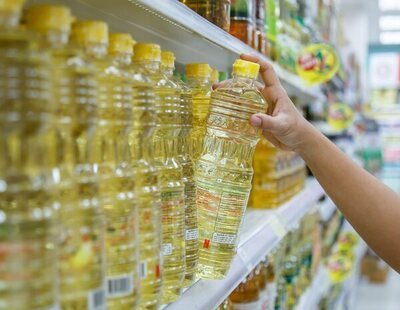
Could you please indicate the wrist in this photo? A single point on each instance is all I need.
(308, 138)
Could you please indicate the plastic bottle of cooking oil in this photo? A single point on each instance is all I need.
(224, 170)
(118, 189)
(170, 178)
(191, 231)
(198, 76)
(28, 273)
(80, 236)
(140, 139)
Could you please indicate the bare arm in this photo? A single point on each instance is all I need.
(372, 208)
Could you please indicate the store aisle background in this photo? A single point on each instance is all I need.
(379, 296)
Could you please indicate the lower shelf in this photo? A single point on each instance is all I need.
(261, 231)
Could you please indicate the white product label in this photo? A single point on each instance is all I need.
(224, 238)
(192, 234)
(247, 306)
(143, 270)
(167, 249)
(97, 299)
(120, 286)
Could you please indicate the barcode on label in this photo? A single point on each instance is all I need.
(97, 299)
(224, 238)
(167, 249)
(119, 286)
(143, 270)
(191, 234)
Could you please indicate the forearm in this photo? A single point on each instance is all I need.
(371, 207)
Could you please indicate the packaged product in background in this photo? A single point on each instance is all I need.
(247, 295)
(28, 227)
(243, 20)
(198, 76)
(81, 253)
(272, 17)
(216, 11)
(261, 276)
(170, 176)
(184, 158)
(214, 77)
(224, 170)
(148, 193)
(260, 26)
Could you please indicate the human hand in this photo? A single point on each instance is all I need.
(282, 124)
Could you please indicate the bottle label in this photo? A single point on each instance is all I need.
(247, 306)
(224, 238)
(271, 288)
(143, 270)
(167, 249)
(191, 234)
(97, 299)
(264, 299)
(120, 286)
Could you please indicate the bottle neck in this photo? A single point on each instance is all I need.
(55, 39)
(9, 20)
(242, 79)
(97, 50)
(168, 71)
(150, 65)
(123, 59)
(198, 80)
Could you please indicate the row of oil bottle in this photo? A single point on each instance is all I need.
(276, 28)
(99, 204)
(279, 281)
(119, 184)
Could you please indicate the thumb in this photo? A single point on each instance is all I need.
(263, 121)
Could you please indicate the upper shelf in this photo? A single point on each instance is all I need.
(179, 29)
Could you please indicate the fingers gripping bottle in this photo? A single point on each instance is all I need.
(184, 158)
(224, 170)
(170, 178)
(198, 76)
(140, 139)
(28, 273)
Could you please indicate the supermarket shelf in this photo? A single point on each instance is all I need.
(261, 231)
(179, 29)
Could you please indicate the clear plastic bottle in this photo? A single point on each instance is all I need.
(224, 170)
(247, 295)
(170, 177)
(119, 192)
(28, 272)
(198, 76)
(150, 232)
(80, 236)
(214, 77)
(191, 230)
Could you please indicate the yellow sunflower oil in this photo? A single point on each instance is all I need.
(184, 158)
(214, 76)
(198, 76)
(148, 193)
(170, 177)
(28, 270)
(80, 256)
(224, 170)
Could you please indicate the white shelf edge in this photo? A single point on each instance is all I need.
(256, 241)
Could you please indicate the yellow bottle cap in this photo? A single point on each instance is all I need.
(45, 17)
(120, 43)
(246, 68)
(11, 5)
(89, 32)
(168, 59)
(197, 69)
(147, 51)
(214, 75)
